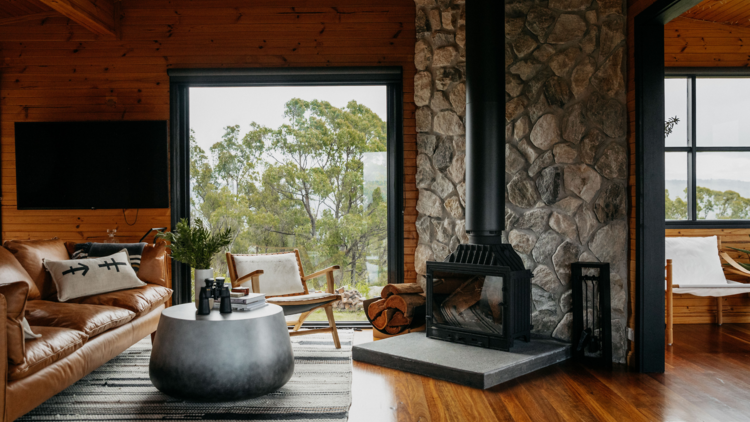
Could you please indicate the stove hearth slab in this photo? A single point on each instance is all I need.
(472, 366)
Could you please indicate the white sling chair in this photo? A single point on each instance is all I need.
(694, 264)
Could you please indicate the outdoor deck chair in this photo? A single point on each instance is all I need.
(694, 264)
(285, 284)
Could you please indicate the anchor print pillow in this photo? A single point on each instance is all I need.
(91, 276)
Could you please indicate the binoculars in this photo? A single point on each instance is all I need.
(213, 291)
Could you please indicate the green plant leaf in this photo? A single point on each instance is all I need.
(196, 245)
(738, 249)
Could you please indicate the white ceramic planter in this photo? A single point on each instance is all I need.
(200, 277)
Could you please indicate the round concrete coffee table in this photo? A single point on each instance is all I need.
(221, 357)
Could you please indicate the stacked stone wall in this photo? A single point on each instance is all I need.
(566, 157)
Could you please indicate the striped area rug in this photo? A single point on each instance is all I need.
(120, 390)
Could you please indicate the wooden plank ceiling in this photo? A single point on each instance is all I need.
(728, 12)
(16, 8)
(98, 16)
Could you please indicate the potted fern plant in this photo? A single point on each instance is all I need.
(196, 246)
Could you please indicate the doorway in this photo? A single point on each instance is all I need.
(648, 253)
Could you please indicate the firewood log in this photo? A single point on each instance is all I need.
(409, 305)
(383, 319)
(375, 309)
(398, 319)
(394, 330)
(400, 289)
(447, 285)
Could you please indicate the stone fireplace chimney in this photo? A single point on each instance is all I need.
(481, 294)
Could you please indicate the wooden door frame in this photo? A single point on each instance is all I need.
(649, 181)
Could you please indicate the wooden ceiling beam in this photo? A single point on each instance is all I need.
(98, 16)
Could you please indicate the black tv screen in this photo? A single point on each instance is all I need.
(80, 165)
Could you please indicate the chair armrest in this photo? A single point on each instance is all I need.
(328, 272)
(320, 273)
(3, 357)
(254, 277)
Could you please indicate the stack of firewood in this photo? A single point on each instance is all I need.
(402, 306)
(351, 300)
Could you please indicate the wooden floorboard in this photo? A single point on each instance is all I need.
(707, 378)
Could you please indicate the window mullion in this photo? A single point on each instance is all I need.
(692, 159)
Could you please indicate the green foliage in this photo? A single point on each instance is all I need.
(727, 205)
(301, 185)
(196, 245)
(675, 210)
(669, 125)
(743, 264)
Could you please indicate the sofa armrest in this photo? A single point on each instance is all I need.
(3, 357)
(16, 293)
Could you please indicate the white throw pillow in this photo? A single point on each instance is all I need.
(280, 272)
(27, 333)
(695, 260)
(85, 277)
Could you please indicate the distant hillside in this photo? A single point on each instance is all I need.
(676, 187)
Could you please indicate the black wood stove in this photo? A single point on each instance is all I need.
(481, 294)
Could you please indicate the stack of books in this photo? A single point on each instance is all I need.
(249, 302)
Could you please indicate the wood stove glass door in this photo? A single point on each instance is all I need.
(468, 301)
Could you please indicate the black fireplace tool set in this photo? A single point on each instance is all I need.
(592, 326)
(217, 290)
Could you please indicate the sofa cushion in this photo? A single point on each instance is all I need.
(90, 319)
(30, 254)
(154, 264)
(76, 278)
(140, 300)
(11, 270)
(54, 344)
(15, 297)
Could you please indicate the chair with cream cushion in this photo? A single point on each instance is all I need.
(285, 284)
(694, 267)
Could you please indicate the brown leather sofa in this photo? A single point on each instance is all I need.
(77, 336)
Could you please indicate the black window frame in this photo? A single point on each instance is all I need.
(692, 149)
(181, 80)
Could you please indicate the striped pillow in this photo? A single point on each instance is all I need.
(98, 250)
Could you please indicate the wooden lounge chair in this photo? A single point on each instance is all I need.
(285, 284)
(694, 267)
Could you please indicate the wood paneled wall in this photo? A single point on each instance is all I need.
(53, 69)
(688, 43)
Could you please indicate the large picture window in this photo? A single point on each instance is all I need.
(305, 159)
(707, 149)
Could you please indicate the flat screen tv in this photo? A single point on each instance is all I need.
(90, 165)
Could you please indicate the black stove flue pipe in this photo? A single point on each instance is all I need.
(485, 143)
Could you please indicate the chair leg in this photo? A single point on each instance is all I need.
(670, 320)
(302, 319)
(332, 324)
(719, 311)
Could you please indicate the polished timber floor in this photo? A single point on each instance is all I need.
(707, 378)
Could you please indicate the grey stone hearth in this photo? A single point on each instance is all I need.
(475, 367)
